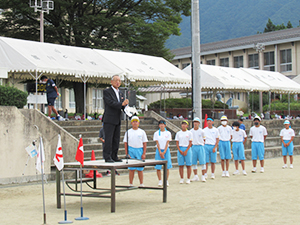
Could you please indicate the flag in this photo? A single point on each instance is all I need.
(38, 158)
(205, 121)
(80, 153)
(58, 158)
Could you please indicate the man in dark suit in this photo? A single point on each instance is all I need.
(114, 102)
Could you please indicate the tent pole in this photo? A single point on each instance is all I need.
(270, 102)
(289, 104)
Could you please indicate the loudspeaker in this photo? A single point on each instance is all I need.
(130, 95)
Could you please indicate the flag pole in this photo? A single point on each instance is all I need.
(42, 170)
(65, 207)
(81, 208)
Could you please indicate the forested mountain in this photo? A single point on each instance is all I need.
(227, 19)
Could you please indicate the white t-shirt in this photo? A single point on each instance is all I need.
(198, 136)
(287, 134)
(136, 138)
(184, 138)
(238, 136)
(162, 138)
(225, 133)
(258, 133)
(211, 135)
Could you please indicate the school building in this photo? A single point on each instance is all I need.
(277, 51)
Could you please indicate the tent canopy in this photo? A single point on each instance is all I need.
(243, 79)
(22, 57)
(226, 78)
(277, 82)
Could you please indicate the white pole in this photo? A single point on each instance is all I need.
(42, 26)
(196, 81)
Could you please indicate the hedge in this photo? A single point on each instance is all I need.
(185, 103)
(11, 96)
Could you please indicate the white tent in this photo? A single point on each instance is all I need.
(277, 82)
(144, 68)
(226, 78)
(23, 57)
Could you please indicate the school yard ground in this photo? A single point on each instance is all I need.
(272, 197)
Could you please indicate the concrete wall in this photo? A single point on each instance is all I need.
(17, 132)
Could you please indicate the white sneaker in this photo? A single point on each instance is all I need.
(223, 174)
(212, 176)
(181, 181)
(141, 185)
(244, 173)
(205, 175)
(236, 172)
(227, 174)
(203, 178)
(284, 166)
(131, 185)
(262, 170)
(291, 166)
(188, 181)
(160, 183)
(168, 183)
(254, 170)
(49, 117)
(196, 178)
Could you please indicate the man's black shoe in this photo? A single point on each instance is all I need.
(118, 160)
(109, 161)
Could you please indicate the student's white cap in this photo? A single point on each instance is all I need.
(287, 122)
(224, 118)
(257, 117)
(196, 119)
(135, 118)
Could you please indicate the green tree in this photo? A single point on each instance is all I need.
(270, 26)
(139, 26)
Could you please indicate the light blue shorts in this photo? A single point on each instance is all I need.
(238, 151)
(167, 157)
(258, 149)
(289, 149)
(135, 153)
(224, 149)
(187, 160)
(209, 154)
(198, 153)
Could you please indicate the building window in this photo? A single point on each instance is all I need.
(211, 62)
(269, 62)
(97, 99)
(185, 65)
(253, 61)
(286, 60)
(224, 62)
(238, 96)
(238, 61)
(72, 104)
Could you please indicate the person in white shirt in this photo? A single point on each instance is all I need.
(162, 137)
(287, 136)
(239, 138)
(225, 132)
(184, 154)
(135, 148)
(198, 152)
(258, 134)
(211, 144)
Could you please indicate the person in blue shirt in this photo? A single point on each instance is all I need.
(242, 126)
(52, 93)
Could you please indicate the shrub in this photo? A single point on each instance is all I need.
(11, 96)
(185, 103)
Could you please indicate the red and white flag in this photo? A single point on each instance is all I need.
(38, 158)
(58, 158)
(80, 153)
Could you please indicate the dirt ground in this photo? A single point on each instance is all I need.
(272, 197)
